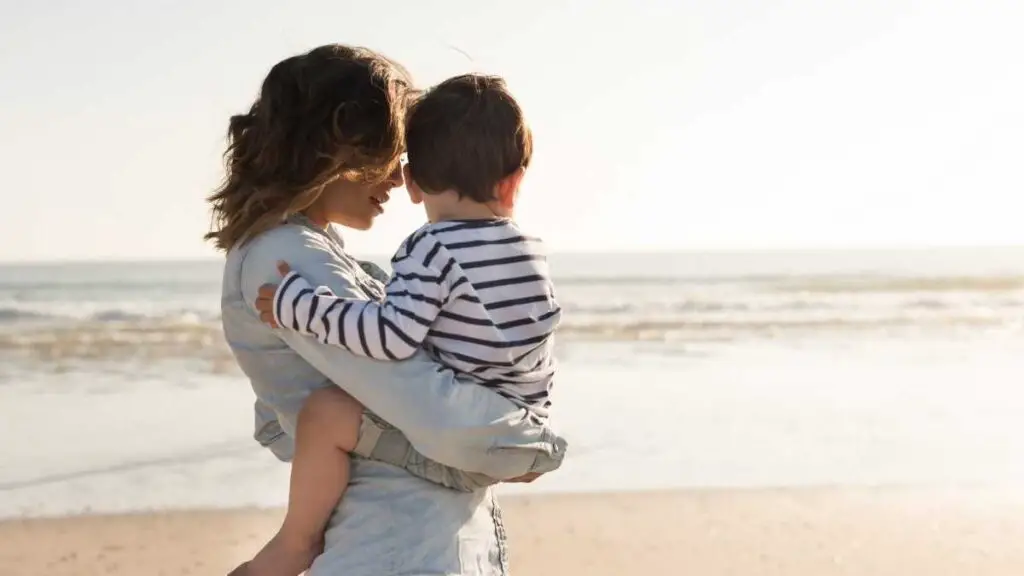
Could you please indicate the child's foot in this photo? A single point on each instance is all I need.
(281, 558)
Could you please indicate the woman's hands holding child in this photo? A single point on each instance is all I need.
(265, 297)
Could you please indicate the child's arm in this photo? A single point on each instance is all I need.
(389, 330)
(471, 428)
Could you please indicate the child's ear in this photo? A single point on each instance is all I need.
(415, 194)
(508, 188)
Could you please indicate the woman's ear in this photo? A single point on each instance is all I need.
(507, 189)
(415, 194)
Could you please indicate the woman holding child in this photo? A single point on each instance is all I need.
(321, 146)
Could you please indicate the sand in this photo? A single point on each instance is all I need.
(819, 532)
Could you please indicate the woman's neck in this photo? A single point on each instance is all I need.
(315, 216)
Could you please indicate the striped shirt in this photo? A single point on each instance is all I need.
(474, 294)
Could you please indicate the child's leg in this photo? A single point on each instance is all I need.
(327, 431)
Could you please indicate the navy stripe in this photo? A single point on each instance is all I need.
(502, 261)
(498, 242)
(413, 240)
(490, 343)
(515, 302)
(382, 334)
(470, 320)
(342, 339)
(457, 283)
(361, 329)
(398, 332)
(469, 225)
(535, 396)
(282, 291)
(412, 316)
(509, 281)
(446, 270)
(496, 383)
(314, 303)
(414, 296)
(527, 321)
(417, 276)
(526, 354)
(327, 318)
(430, 255)
(295, 306)
(540, 363)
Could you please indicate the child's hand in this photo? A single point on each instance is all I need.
(265, 297)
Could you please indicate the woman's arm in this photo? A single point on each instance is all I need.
(461, 425)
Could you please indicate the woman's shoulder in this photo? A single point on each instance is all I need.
(313, 253)
(292, 243)
(288, 237)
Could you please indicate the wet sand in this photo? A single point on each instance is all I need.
(813, 532)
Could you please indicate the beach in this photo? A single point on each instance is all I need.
(812, 532)
(761, 257)
(793, 414)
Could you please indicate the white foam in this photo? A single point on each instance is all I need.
(852, 413)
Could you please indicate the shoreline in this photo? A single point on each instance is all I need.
(764, 532)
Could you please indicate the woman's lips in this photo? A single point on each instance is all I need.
(378, 201)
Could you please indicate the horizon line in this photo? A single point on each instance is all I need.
(610, 252)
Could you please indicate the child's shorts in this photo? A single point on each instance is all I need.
(382, 442)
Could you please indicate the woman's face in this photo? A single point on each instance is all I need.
(354, 204)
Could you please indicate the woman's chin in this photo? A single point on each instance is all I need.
(357, 223)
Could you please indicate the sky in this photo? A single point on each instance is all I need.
(733, 124)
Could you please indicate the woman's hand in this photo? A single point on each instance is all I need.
(265, 297)
(525, 478)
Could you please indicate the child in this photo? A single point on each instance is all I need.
(468, 287)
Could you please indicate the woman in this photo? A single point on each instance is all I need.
(321, 145)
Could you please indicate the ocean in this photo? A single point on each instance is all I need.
(719, 369)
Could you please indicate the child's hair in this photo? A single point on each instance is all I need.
(466, 134)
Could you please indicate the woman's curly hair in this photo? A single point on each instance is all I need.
(334, 112)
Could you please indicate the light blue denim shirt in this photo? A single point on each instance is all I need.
(389, 522)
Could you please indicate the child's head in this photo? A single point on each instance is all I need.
(467, 138)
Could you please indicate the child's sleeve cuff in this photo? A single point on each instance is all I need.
(291, 302)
